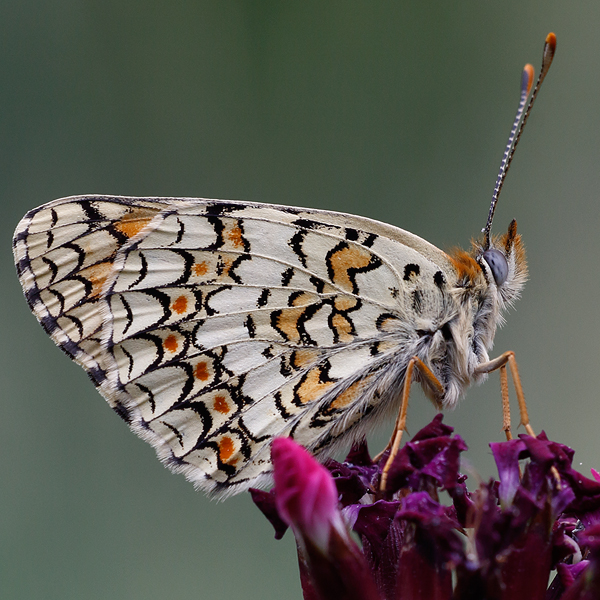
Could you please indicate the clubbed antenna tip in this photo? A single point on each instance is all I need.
(518, 125)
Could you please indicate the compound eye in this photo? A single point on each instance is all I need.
(498, 265)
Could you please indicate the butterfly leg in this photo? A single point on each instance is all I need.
(508, 358)
(501, 362)
(394, 444)
(505, 403)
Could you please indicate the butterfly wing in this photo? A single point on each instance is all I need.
(213, 326)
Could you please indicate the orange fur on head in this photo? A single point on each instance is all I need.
(510, 243)
(464, 263)
(511, 240)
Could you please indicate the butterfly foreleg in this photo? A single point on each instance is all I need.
(501, 362)
(506, 425)
(394, 443)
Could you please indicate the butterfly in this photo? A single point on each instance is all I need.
(213, 326)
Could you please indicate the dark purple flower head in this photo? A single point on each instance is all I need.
(517, 543)
(582, 580)
(429, 461)
(498, 542)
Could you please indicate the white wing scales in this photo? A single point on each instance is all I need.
(213, 326)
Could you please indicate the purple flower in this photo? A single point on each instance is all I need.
(305, 494)
(497, 542)
(582, 580)
(331, 564)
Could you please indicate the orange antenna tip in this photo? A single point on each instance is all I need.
(549, 50)
(518, 124)
(529, 72)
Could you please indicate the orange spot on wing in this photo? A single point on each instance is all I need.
(389, 324)
(133, 222)
(287, 323)
(226, 449)
(345, 302)
(311, 387)
(180, 305)
(386, 346)
(201, 371)
(303, 358)
(97, 276)
(235, 236)
(200, 269)
(351, 394)
(221, 405)
(342, 327)
(344, 259)
(304, 299)
(170, 343)
(227, 264)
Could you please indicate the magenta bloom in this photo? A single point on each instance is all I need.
(305, 494)
(499, 542)
(306, 499)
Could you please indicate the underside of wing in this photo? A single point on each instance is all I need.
(214, 326)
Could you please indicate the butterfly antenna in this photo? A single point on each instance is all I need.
(518, 125)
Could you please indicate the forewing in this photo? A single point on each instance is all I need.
(213, 326)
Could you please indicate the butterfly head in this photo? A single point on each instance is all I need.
(489, 279)
(504, 265)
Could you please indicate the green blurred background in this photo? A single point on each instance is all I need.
(394, 110)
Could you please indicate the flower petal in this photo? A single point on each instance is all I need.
(266, 503)
(305, 494)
